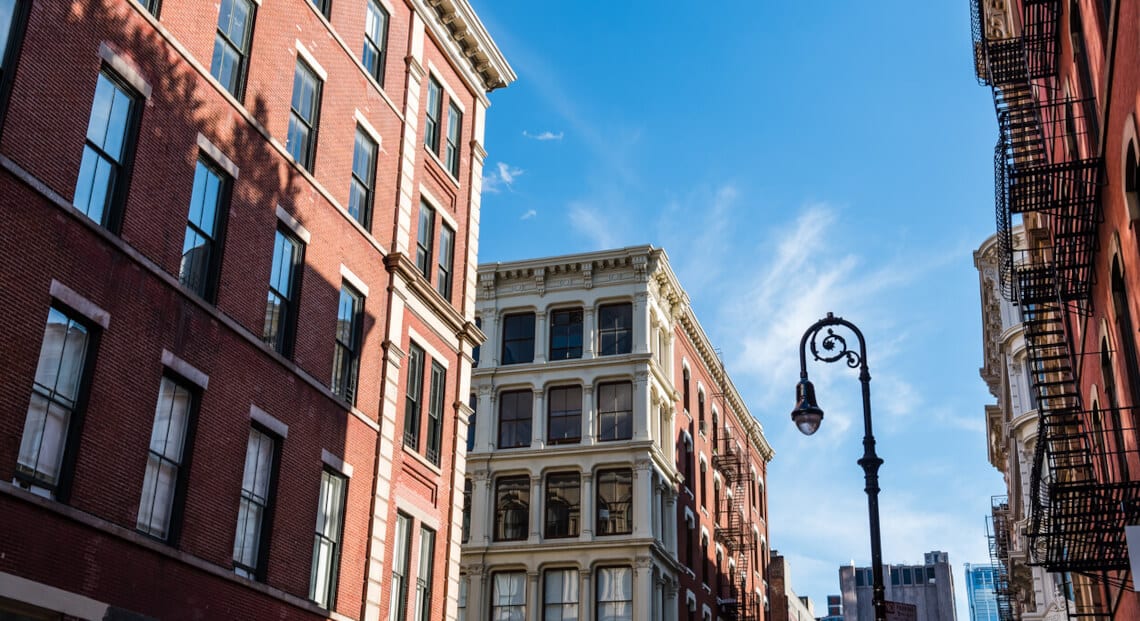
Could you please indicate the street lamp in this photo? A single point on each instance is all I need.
(807, 416)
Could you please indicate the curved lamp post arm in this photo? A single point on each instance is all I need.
(835, 349)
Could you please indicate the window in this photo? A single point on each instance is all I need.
(284, 285)
(704, 484)
(615, 329)
(475, 351)
(104, 172)
(615, 411)
(564, 420)
(363, 184)
(512, 508)
(461, 613)
(685, 378)
(472, 401)
(701, 409)
(413, 403)
(615, 491)
(424, 576)
(303, 115)
(403, 544)
(706, 563)
(346, 354)
(454, 128)
(58, 393)
(435, 411)
(515, 410)
(251, 543)
(151, 6)
(615, 593)
(446, 257)
(12, 16)
(326, 541)
(231, 45)
(375, 41)
(424, 236)
(164, 481)
(466, 524)
(518, 338)
(566, 334)
(202, 248)
(560, 594)
(434, 111)
(715, 432)
(508, 596)
(324, 6)
(563, 496)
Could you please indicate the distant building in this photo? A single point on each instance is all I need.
(613, 470)
(785, 604)
(980, 591)
(929, 587)
(834, 609)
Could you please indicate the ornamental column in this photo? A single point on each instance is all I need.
(641, 325)
(535, 508)
(532, 601)
(643, 589)
(587, 516)
(641, 407)
(642, 499)
(589, 413)
(480, 501)
(585, 595)
(589, 336)
(538, 421)
(540, 337)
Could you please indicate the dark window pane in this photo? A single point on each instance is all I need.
(515, 419)
(99, 190)
(518, 338)
(346, 355)
(362, 185)
(435, 412)
(615, 411)
(375, 40)
(413, 399)
(614, 495)
(446, 257)
(434, 112)
(231, 45)
(302, 138)
(512, 508)
(563, 498)
(425, 233)
(201, 247)
(280, 315)
(566, 334)
(615, 329)
(454, 129)
(564, 425)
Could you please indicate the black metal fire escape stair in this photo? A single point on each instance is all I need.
(998, 533)
(734, 530)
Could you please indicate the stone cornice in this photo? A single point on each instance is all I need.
(402, 267)
(462, 26)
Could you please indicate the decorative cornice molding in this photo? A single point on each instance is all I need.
(468, 33)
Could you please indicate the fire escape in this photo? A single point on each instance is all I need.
(1047, 164)
(998, 533)
(734, 529)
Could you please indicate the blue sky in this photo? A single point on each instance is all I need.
(793, 159)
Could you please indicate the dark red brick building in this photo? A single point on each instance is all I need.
(239, 286)
(1065, 76)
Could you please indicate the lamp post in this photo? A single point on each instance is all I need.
(807, 416)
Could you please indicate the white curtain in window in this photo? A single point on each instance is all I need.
(615, 594)
(509, 597)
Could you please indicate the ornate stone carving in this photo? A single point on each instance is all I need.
(540, 280)
(487, 285)
(588, 275)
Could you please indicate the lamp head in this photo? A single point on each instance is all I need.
(807, 414)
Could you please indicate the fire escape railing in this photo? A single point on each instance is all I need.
(734, 529)
(1046, 162)
(998, 532)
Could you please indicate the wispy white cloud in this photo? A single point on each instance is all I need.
(502, 176)
(530, 213)
(544, 136)
(594, 224)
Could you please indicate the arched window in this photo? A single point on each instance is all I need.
(1080, 59)
(715, 431)
(1124, 327)
(701, 409)
(1109, 377)
(685, 378)
(1132, 180)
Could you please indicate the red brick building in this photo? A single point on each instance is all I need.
(241, 243)
(1065, 75)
